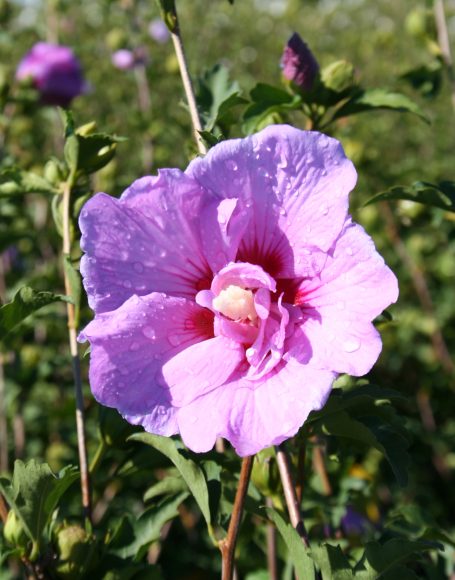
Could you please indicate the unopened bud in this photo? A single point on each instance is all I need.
(299, 64)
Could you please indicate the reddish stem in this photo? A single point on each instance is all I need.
(227, 546)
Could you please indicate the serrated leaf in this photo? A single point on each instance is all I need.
(13, 181)
(75, 285)
(298, 553)
(137, 535)
(34, 493)
(190, 471)
(440, 195)
(25, 302)
(217, 95)
(375, 99)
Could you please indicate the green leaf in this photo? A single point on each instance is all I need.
(267, 102)
(427, 78)
(13, 181)
(34, 493)
(216, 96)
(364, 415)
(75, 285)
(338, 76)
(133, 537)
(332, 562)
(96, 151)
(25, 302)
(298, 553)
(440, 195)
(71, 153)
(379, 559)
(168, 13)
(190, 471)
(170, 485)
(374, 99)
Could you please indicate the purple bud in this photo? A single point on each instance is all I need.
(159, 31)
(123, 59)
(299, 64)
(54, 71)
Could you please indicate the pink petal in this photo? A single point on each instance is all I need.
(129, 347)
(255, 415)
(223, 224)
(146, 241)
(201, 368)
(297, 184)
(354, 287)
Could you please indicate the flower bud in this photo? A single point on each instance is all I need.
(298, 63)
(14, 532)
(54, 71)
(77, 551)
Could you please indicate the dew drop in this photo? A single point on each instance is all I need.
(134, 346)
(193, 419)
(349, 251)
(127, 284)
(149, 332)
(174, 339)
(232, 165)
(324, 210)
(351, 345)
(282, 211)
(138, 267)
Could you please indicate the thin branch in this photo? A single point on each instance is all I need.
(3, 509)
(187, 85)
(3, 422)
(72, 332)
(284, 467)
(444, 44)
(319, 467)
(227, 546)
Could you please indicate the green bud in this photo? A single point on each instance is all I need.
(14, 532)
(77, 552)
(338, 76)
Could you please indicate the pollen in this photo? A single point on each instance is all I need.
(236, 303)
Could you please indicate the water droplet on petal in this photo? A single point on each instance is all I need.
(138, 267)
(232, 165)
(127, 284)
(349, 251)
(134, 346)
(174, 339)
(193, 419)
(149, 332)
(324, 210)
(282, 211)
(351, 345)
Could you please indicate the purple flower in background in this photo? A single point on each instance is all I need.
(228, 298)
(299, 64)
(54, 71)
(159, 31)
(123, 59)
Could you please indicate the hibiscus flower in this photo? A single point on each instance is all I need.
(229, 297)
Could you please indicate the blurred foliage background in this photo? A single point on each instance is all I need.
(392, 45)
